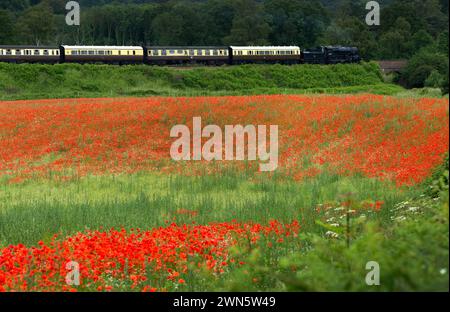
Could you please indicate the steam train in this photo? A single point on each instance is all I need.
(170, 55)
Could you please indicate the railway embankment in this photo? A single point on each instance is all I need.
(33, 81)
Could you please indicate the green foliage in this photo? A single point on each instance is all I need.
(72, 80)
(434, 80)
(438, 182)
(412, 256)
(442, 43)
(395, 43)
(32, 26)
(6, 31)
(249, 24)
(421, 39)
(421, 65)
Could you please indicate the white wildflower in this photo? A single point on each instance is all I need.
(331, 234)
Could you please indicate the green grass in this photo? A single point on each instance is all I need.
(413, 253)
(35, 210)
(33, 81)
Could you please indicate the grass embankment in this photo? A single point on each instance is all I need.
(32, 81)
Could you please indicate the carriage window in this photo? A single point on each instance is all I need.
(18, 52)
(200, 52)
(215, 52)
(101, 52)
(46, 52)
(74, 52)
(191, 52)
(36, 52)
(163, 52)
(8, 52)
(134, 52)
(91, 52)
(207, 52)
(172, 52)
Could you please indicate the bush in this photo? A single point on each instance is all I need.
(421, 65)
(434, 80)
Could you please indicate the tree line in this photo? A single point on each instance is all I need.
(408, 27)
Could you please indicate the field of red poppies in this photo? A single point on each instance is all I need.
(92, 181)
(377, 136)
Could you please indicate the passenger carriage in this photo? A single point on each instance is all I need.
(213, 55)
(29, 54)
(103, 54)
(265, 54)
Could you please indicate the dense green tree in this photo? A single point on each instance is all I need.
(250, 24)
(296, 22)
(421, 39)
(434, 80)
(36, 25)
(14, 5)
(7, 26)
(218, 16)
(422, 64)
(442, 42)
(396, 42)
(167, 29)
